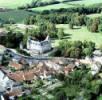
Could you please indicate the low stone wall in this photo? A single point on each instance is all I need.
(38, 57)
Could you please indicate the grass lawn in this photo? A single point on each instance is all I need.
(54, 6)
(100, 98)
(17, 3)
(86, 2)
(17, 15)
(80, 34)
(14, 3)
(67, 4)
(94, 15)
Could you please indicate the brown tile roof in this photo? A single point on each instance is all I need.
(15, 92)
(69, 68)
(31, 74)
(15, 65)
(22, 76)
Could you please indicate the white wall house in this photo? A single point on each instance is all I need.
(5, 82)
(2, 50)
(40, 46)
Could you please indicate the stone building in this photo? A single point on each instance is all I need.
(39, 46)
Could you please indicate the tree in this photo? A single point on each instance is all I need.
(60, 33)
(89, 44)
(61, 77)
(75, 52)
(71, 25)
(27, 20)
(13, 39)
(94, 27)
(32, 21)
(76, 49)
(25, 37)
(100, 28)
(89, 23)
(100, 47)
(87, 52)
(52, 30)
(61, 95)
(11, 21)
(78, 44)
(43, 27)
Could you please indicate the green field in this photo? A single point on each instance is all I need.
(94, 15)
(68, 5)
(17, 3)
(86, 2)
(13, 3)
(54, 6)
(80, 34)
(17, 15)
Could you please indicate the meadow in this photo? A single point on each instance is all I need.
(86, 2)
(94, 15)
(20, 15)
(16, 3)
(76, 34)
(54, 6)
(17, 15)
(68, 5)
(13, 3)
(80, 33)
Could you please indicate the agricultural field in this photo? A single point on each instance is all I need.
(80, 34)
(13, 3)
(76, 34)
(86, 2)
(16, 3)
(94, 15)
(54, 6)
(68, 5)
(17, 15)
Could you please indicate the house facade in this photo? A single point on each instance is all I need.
(5, 82)
(2, 50)
(39, 46)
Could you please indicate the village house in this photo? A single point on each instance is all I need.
(21, 76)
(95, 68)
(15, 65)
(39, 46)
(97, 53)
(2, 50)
(5, 82)
(53, 65)
(97, 56)
(42, 70)
(13, 94)
(2, 35)
(68, 68)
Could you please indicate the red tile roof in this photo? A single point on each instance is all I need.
(15, 65)
(22, 75)
(14, 93)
